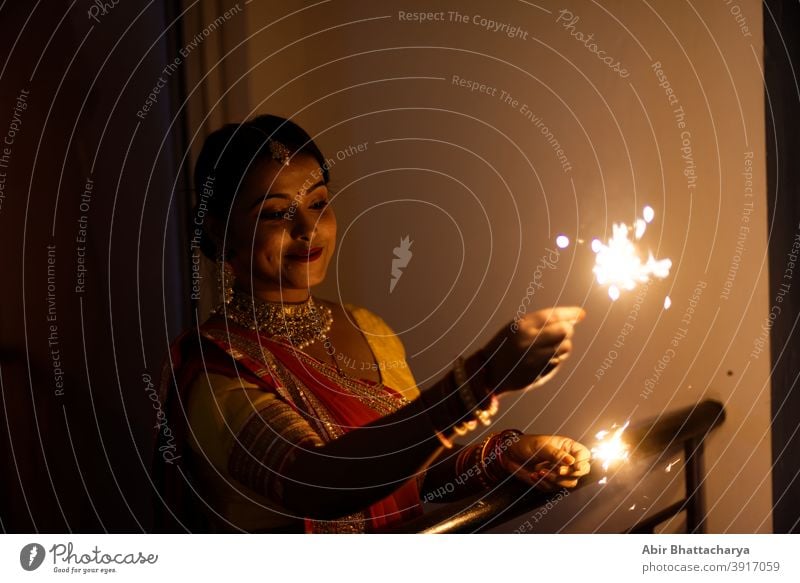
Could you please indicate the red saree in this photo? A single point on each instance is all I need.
(333, 405)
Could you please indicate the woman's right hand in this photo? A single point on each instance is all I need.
(528, 350)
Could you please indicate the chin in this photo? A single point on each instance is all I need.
(305, 280)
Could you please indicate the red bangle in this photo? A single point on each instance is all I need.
(500, 445)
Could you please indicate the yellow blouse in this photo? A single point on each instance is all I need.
(219, 407)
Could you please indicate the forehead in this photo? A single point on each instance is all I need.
(269, 176)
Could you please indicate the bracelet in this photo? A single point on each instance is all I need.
(467, 395)
(485, 458)
(500, 444)
(486, 479)
(463, 460)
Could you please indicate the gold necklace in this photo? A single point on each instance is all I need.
(301, 324)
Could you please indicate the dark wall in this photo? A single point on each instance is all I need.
(781, 56)
(76, 347)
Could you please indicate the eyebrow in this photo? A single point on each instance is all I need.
(283, 194)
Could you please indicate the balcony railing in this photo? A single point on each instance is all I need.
(684, 429)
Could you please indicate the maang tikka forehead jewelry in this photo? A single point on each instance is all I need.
(279, 152)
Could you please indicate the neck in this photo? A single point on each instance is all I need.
(279, 296)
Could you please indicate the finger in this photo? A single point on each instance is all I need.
(580, 451)
(577, 470)
(546, 335)
(536, 478)
(563, 350)
(547, 471)
(581, 469)
(565, 457)
(552, 453)
(572, 314)
(570, 483)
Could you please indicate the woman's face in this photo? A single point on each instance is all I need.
(282, 231)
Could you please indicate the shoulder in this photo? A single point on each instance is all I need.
(387, 348)
(218, 406)
(369, 322)
(223, 396)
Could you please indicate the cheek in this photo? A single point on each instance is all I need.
(269, 243)
(327, 224)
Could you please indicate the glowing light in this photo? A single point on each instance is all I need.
(633, 507)
(639, 228)
(618, 265)
(667, 303)
(603, 480)
(669, 465)
(611, 448)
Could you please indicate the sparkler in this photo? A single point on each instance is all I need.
(617, 262)
(611, 448)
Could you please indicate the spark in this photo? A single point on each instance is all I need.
(611, 448)
(618, 264)
(639, 228)
(667, 303)
(603, 480)
(669, 465)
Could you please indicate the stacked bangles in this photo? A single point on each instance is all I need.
(471, 402)
(485, 459)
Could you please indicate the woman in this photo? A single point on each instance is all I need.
(285, 412)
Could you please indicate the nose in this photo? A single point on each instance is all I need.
(304, 226)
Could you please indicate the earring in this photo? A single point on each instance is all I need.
(225, 277)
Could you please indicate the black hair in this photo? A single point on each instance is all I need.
(227, 156)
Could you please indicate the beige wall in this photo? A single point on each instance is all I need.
(482, 194)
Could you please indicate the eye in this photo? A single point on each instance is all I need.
(320, 204)
(272, 215)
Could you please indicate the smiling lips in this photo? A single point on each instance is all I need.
(305, 256)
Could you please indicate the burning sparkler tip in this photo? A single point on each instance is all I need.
(562, 241)
(611, 447)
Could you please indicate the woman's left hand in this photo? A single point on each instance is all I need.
(548, 462)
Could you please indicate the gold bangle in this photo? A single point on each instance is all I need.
(467, 395)
(484, 477)
(447, 443)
